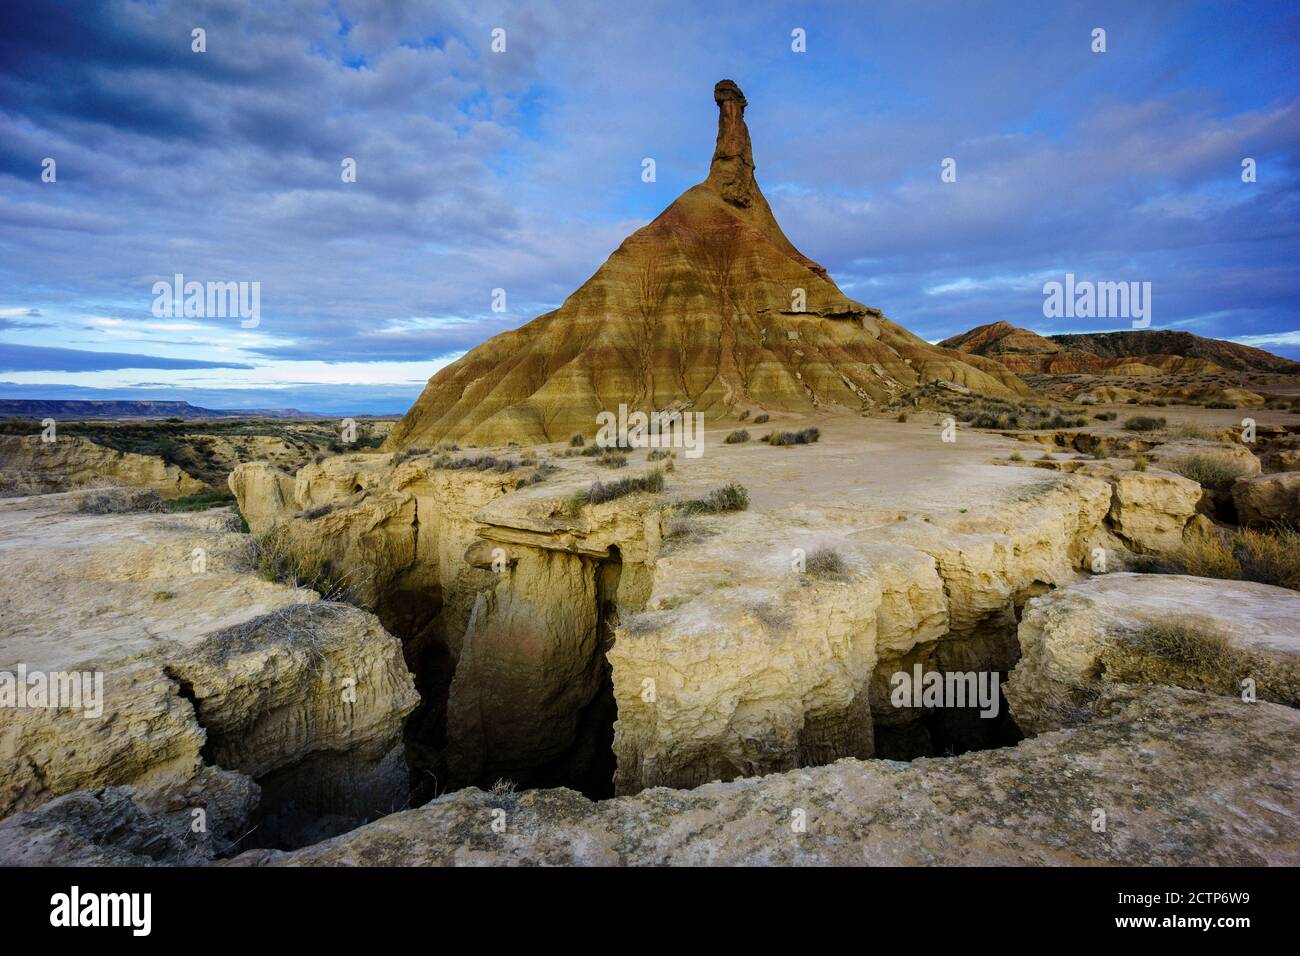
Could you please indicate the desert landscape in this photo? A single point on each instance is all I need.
(711, 565)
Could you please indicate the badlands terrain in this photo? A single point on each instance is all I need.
(510, 635)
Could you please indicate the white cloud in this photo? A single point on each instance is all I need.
(1269, 338)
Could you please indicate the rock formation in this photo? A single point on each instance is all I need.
(533, 626)
(31, 466)
(1153, 350)
(1185, 779)
(1077, 639)
(254, 702)
(1268, 499)
(710, 304)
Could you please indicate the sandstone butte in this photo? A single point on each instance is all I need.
(697, 309)
(1133, 353)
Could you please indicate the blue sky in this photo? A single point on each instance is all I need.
(522, 171)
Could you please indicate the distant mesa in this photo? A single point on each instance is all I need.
(1131, 352)
(107, 409)
(709, 306)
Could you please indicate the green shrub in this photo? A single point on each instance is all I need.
(212, 498)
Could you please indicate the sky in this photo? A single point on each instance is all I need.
(521, 170)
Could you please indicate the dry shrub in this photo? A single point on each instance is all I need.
(114, 501)
(1267, 556)
(805, 436)
(602, 491)
(1188, 653)
(278, 557)
(1210, 470)
(1145, 423)
(729, 497)
(826, 563)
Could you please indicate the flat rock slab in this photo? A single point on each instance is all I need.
(1183, 778)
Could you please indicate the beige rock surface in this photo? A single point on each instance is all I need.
(1184, 779)
(1264, 499)
(1151, 510)
(31, 466)
(213, 678)
(1076, 639)
(1170, 453)
(754, 667)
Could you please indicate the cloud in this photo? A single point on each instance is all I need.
(1271, 338)
(521, 171)
(36, 358)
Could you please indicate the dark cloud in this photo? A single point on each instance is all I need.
(36, 358)
(521, 171)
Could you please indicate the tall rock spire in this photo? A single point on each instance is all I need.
(732, 171)
(709, 305)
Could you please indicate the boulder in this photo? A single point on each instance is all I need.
(1150, 510)
(1076, 639)
(1263, 499)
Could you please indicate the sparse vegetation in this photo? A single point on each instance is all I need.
(577, 441)
(612, 459)
(728, 497)
(602, 491)
(826, 563)
(482, 463)
(112, 501)
(1106, 416)
(1268, 556)
(804, 437)
(762, 419)
(1016, 456)
(1140, 463)
(213, 498)
(277, 557)
(1193, 431)
(502, 796)
(736, 438)
(678, 528)
(1209, 470)
(1187, 653)
(406, 454)
(1144, 423)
